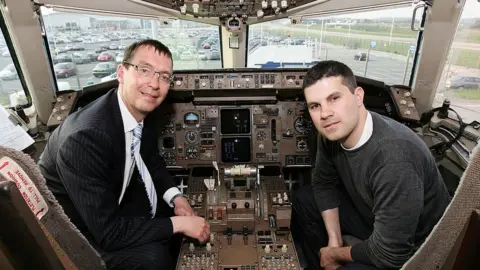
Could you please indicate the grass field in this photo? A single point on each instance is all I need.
(468, 94)
(465, 35)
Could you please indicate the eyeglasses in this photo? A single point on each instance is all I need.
(146, 72)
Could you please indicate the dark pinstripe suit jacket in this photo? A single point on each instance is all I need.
(83, 164)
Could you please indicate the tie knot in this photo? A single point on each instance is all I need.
(137, 132)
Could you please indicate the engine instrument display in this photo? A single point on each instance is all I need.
(236, 150)
(235, 121)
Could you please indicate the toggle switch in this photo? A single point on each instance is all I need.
(210, 214)
(229, 235)
(245, 235)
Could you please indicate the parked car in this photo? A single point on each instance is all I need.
(463, 82)
(104, 69)
(65, 70)
(109, 77)
(9, 73)
(119, 58)
(361, 56)
(105, 56)
(214, 55)
(186, 55)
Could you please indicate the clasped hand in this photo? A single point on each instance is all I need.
(327, 259)
(193, 226)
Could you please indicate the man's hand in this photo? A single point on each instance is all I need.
(327, 259)
(192, 226)
(332, 257)
(182, 208)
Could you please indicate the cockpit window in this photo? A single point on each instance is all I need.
(12, 92)
(460, 80)
(375, 44)
(105, 38)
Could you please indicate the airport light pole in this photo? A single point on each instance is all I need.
(391, 31)
(366, 61)
(406, 67)
(349, 30)
(321, 41)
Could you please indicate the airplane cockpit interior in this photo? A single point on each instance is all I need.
(234, 130)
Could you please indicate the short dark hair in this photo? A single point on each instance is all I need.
(159, 47)
(330, 68)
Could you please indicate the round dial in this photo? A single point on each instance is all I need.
(302, 125)
(192, 152)
(302, 146)
(261, 135)
(191, 137)
(169, 157)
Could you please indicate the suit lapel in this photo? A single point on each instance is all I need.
(118, 135)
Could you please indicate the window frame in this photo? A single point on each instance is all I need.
(16, 62)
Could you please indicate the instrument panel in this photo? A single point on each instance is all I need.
(247, 134)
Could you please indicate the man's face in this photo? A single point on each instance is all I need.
(334, 109)
(143, 93)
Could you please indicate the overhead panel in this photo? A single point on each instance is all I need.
(233, 14)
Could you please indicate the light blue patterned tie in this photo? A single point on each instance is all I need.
(142, 169)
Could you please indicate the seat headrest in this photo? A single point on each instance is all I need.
(21, 169)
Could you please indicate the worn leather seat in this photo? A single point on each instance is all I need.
(24, 189)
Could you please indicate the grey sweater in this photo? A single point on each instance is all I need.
(393, 182)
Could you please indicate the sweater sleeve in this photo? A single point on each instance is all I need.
(398, 203)
(324, 179)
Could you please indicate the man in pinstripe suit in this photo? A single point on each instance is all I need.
(102, 165)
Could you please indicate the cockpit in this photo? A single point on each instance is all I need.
(235, 131)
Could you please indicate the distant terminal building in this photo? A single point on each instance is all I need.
(78, 21)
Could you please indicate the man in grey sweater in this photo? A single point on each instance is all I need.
(374, 179)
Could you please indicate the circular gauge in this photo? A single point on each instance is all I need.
(191, 119)
(302, 125)
(191, 137)
(192, 152)
(302, 146)
(169, 157)
(261, 135)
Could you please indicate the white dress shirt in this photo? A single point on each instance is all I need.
(366, 134)
(129, 123)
